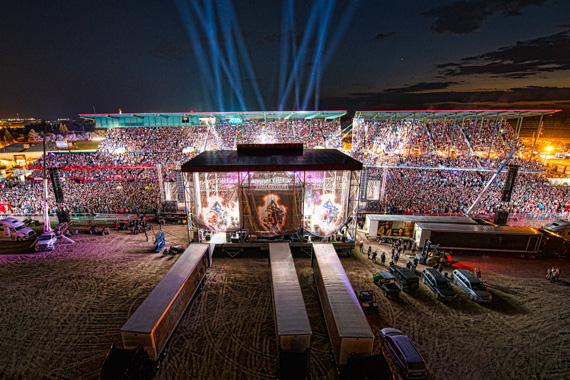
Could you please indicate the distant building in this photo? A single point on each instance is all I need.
(17, 123)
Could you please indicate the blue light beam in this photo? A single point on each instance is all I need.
(191, 31)
(300, 57)
(242, 48)
(322, 36)
(286, 42)
(218, 58)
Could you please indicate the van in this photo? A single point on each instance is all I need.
(471, 285)
(407, 359)
(438, 284)
(14, 229)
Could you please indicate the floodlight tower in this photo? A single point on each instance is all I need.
(47, 225)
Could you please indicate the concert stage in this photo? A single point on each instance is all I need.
(267, 191)
(234, 247)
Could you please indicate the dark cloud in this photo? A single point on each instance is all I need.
(533, 97)
(460, 17)
(526, 58)
(381, 36)
(562, 26)
(422, 86)
(467, 16)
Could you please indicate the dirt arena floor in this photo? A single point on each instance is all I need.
(60, 311)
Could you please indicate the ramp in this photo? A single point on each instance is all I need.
(291, 320)
(152, 324)
(348, 328)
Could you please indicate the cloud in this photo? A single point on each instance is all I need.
(382, 36)
(532, 97)
(524, 59)
(467, 16)
(422, 86)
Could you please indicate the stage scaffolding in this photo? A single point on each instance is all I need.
(264, 203)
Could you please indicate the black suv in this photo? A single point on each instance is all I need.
(407, 279)
(438, 284)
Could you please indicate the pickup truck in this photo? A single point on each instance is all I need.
(46, 242)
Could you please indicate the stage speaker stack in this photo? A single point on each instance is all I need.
(57, 191)
(501, 217)
(170, 206)
(179, 186)
(509, 183)
(64, 217)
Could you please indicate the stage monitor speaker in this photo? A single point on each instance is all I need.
(509, 183)
(57, 191)
(501, 217)
(64, 217)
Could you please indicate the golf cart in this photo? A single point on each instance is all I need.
(367, 302)
(387, 282)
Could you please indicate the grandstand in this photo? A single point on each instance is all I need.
(415, 161)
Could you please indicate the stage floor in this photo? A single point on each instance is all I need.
(218, 241)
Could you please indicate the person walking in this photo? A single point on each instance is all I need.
(382, 258)
(374, 256)
(369, 250)
(478, 273)
(552, 277)
(361, 245)
(146, 235)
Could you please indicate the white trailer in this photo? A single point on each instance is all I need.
(291, 320)
(349, 331)
(152, 324)
(396, 222)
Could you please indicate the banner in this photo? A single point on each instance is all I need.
(327, 214)
(270, 213)
(218, 215)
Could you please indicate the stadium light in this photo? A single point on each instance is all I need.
(547, 150)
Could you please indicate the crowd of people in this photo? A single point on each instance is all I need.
(432, 191)
(427, 137)
(135, 197)
(432, 168)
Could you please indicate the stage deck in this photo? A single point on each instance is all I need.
(218, 241)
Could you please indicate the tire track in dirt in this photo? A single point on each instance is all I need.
(220, 315)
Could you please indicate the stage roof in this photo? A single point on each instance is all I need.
(449, 114)
(113, 120)
(232, 161)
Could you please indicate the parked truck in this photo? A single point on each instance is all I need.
(524, 241)
(14, 229)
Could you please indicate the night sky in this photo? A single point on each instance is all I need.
(62, 58)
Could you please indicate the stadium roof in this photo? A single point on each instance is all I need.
(28, 147)
(449, 114)
(471, 229)
(271, 159)
(200, 118)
